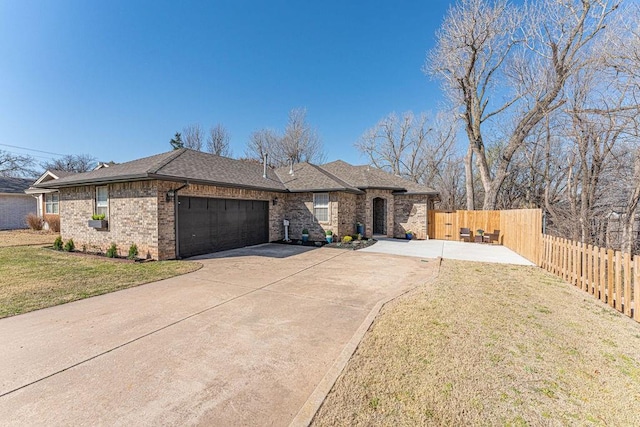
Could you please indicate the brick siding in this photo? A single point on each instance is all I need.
(411, 214)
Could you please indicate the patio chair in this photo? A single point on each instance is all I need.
(492, 237)
(465, 234)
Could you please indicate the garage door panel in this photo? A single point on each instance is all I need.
(209, 225)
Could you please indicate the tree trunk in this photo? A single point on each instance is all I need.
(468, 172)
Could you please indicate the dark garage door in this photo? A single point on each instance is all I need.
(209, 225)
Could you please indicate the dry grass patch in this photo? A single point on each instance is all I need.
(489, 344)
(32, 278)
(26, 237)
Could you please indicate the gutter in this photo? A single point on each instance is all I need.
(174, 193)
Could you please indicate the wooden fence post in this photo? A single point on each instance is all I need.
(627, 284)
(636, 288)
(603, 274)
(618, 289)
(610, 276)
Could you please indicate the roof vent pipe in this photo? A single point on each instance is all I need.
(290, 166)
(264, 173)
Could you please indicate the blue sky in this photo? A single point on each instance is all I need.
(116, 79)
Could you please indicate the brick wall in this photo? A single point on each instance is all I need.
(13, 210)
(299, 212)
(347, 217)
(133, 218)
(411, 214)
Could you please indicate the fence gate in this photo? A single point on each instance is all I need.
(443, 225)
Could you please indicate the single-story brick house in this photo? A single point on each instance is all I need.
(14, 204)
(184, 202)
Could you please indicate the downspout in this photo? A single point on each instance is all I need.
(175, 215)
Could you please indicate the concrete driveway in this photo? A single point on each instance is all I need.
(448, 249)
(243, 341)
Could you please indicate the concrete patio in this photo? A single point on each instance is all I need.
(447, 249)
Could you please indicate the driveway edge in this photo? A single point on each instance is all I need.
(308, 410)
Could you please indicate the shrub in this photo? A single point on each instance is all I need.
(98, 217)
(347, 239)
(57, 244)
(69, 246)
(112, 252)
(359, 236)
(33, 221)
(133, 251)
(54, 222)
(329, 233)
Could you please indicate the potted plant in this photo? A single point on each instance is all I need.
(360, 228)
(480, 232)
(305, 235)
(97, 221)
(329, 236)
(409, 234)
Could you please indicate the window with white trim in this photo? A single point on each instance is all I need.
(52, 203)
(321, 206)
(102, 201)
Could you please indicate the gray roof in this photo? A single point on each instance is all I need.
(9, 185)
(205, 168)
(308, 177)
(364, 177)
(61, 174)
(179, 165)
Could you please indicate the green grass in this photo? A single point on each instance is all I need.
(32, 278)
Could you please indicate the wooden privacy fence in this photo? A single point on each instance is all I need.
(610, 276)
(520, 229)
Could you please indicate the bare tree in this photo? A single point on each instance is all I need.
(16, 165)
(503, 63)
(261, 142)
(193, 137)
(72, 163)
(299, 143)
(219, 140)
(409, 146)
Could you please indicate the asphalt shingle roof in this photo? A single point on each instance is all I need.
(364, 177)
(195, 166)
(9, 185)
(309, 177)
(182, 164)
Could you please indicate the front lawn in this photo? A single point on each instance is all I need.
(32, 278)
(26, 237)
(488, 344)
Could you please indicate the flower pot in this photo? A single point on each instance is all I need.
(409, 236)
(98, 223)
(329, 239)
(305, 237)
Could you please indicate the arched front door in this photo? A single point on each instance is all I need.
(379, 216)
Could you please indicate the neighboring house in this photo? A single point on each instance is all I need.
(48, 200)
(184, 202)
(14, 204)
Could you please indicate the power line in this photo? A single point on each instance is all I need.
(32, 149)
